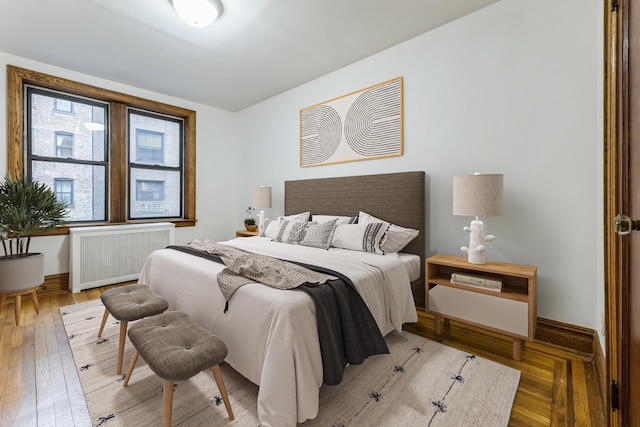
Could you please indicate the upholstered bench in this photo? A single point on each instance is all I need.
(176, 348)
(129, 303)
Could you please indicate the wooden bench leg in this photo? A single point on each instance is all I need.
(104, 322)
(168, 403)
(2, 298)
(436, 324)
(132, 365)
(123, 336)
(223, 390)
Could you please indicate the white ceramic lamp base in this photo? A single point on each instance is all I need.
(261, 223)
(477, 240)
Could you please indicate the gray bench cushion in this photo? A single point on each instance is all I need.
(133, 302)
(175, 347)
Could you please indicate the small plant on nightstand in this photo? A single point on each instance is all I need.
(250, 222)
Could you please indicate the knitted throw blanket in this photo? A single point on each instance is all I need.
(242, 267)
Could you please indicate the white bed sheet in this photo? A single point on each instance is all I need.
(271, 334)
(413, 264)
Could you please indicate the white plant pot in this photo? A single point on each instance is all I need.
(18, 274)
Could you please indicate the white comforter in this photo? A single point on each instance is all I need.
(271, 334)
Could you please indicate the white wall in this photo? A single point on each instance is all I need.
(514, 88)
(217, 157)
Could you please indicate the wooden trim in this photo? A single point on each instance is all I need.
(577, 339)
(600, 368)
(14, 122)
(54, 283)
(189, 176)
(613, 180)
(118, 163)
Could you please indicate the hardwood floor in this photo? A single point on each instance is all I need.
(39, 384)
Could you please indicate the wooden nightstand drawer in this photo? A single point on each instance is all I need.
(498, 314)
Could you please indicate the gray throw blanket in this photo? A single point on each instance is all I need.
(244, 267)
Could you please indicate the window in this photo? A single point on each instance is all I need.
(109, 143)
(63, 106)
(63, 187)
(64, 145)
(155, 156)
(80, 154)
(149, 191)
(149, 147)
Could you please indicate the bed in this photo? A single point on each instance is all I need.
(272, 334)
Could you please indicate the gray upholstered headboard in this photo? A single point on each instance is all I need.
(398, 198)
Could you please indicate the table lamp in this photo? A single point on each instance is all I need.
(477, 195)
(261, 200)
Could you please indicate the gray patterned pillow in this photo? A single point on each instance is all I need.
(290, 231)
(319, 235)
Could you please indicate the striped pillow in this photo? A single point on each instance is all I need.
(360, 237)
(319, 235)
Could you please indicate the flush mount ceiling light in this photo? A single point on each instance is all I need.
(198, 13)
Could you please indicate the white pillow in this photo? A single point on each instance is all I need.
(290, 231)
(359, 237)
(318, 235)
(272, 229)
(397, 237)
(339, 219)
(302, 216)
(274, 226)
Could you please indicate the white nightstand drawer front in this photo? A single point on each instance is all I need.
(500, 313)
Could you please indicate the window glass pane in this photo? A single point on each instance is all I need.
(149, 191)
(87, 144)
(63, 187)
(154, 140)
(87, 184)
(149, 147)
(63, 106)
(154, 193)
(64, 145)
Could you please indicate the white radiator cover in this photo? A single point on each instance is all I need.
(111, 254)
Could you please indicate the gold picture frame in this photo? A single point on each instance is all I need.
(361, 125)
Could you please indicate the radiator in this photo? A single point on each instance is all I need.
(113, 254)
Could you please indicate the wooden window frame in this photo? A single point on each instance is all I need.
(118, 103)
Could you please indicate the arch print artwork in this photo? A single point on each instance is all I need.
(362, 125)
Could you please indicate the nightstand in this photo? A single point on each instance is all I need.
(511, 311)
(245, 233)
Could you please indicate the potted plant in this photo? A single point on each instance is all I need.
(250, 222)
(26, 208)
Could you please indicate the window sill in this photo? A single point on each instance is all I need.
(63, 230)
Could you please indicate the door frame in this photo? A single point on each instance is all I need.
(616, 192)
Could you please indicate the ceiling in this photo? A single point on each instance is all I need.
(255, 50)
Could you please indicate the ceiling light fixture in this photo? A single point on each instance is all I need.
(198, 13)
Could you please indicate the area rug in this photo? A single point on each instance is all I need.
(421, 383)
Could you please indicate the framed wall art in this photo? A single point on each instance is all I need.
(362, 125)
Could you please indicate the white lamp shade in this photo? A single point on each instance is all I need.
(262, 197)
(477, 195)
(198, 13)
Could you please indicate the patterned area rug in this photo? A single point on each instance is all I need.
(420, 383)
